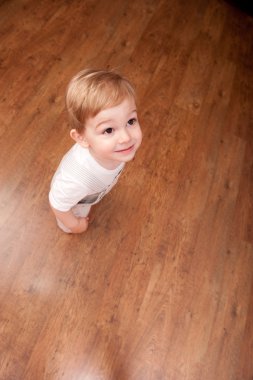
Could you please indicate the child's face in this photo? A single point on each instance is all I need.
(114, 134)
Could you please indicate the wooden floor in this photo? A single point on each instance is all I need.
(161, 285)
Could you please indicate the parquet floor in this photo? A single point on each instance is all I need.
(161, 285)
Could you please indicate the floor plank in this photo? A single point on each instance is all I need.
(160, 286)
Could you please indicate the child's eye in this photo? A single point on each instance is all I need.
(108, 131)
(131, 121)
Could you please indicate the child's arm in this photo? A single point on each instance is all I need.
(75, 224)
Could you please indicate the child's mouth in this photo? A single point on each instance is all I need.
(127, 150)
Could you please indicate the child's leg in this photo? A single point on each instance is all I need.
(62, 227)
(80, 210)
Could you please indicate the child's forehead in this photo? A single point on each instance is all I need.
(123, 109)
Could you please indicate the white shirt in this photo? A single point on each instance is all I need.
(80, 179)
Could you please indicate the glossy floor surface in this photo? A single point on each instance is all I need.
(161, 285)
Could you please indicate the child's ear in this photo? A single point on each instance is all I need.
(79, 138)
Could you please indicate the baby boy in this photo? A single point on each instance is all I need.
(105, 128)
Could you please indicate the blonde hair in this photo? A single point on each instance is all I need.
(91, 91)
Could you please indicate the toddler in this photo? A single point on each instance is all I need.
(107, 134)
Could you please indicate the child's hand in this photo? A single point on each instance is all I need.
(82, 225)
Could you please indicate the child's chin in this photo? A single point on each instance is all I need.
(129, 158)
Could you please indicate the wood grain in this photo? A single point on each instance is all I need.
(161, 285)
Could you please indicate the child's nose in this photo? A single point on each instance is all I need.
(124, 136)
